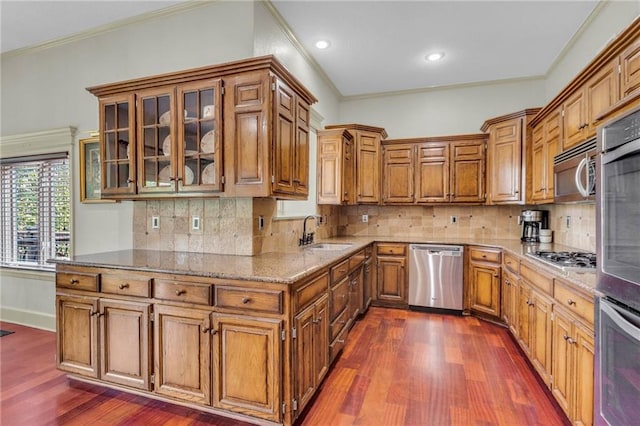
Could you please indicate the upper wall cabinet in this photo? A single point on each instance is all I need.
(236, 129)
(609, 84)
(358, 172)
(448, 169)
(506, 156)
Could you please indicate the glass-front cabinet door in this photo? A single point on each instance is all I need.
(156, 141)
(117, 125)
(200, 136)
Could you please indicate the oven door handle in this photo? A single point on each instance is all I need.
(628, 148)
(629, 327)
(583, 190)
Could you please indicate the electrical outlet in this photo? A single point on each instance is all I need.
(454, 219)
(568, 221)
(365, 218)
(155, 222)
(195, 223)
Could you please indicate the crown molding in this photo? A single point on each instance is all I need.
(38, 142)
(288, 32)
(573, 40)
(442, 88)
(93, 32)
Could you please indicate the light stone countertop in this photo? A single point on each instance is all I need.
(293, 264)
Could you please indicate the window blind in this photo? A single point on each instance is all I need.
(35, 206)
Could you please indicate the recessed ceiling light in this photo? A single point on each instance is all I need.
(322, 44)
(436, 56)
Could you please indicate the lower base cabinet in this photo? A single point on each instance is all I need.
(311, 350)
(183, 353)
(572, 367)
(247, 368)
(77, 334)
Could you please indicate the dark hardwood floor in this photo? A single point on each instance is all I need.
(398, 368)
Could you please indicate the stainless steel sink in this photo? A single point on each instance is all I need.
(329, 246)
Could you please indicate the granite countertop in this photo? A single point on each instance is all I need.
(290, 265)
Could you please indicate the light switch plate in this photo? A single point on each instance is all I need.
(155, 222)
(195, 223)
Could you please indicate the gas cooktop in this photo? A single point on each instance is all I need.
(567, 260)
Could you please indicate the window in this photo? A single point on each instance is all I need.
(35, 205)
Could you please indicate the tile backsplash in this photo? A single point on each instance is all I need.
(432, 222)
(227, 226)
(231, 225)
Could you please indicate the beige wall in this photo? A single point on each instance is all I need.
(581, 232)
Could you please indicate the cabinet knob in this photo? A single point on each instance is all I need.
(246, 300)
(318, 320)
(516, 192)
(206, 330)
(484, 256)
(130, 180)
(74, 281)
(123, 286)
(571, 302)
(180, 292)
(496, 275)
(172, 179)
(568, 339)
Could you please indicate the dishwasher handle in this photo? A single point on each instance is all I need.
(439, 250)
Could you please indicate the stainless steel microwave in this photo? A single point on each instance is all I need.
(574, 174)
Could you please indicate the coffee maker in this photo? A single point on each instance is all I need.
(532, 222)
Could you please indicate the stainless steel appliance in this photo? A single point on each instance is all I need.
(567, 260)
(435, 276)
(617, 351)
(574, 173)
(532, 222)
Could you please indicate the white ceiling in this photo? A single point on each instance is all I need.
(376, 46)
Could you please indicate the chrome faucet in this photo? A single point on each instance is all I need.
(306, 238)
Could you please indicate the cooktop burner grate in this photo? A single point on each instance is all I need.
(566, 260)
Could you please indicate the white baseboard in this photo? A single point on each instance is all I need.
(28, 318)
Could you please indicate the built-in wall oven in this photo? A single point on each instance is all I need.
(617, 363)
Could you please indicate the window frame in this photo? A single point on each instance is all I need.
(44, 143)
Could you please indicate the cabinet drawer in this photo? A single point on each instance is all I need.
(126, 286)
(392, 249)
(310, 291)
(78, 280)
(339, 323)
(574, 302)
(249, 298)
(356, 260)
(339, 298)
(180, 291)
(339, 271)
(338, 344)
(484, 255)
(543, 282)
(512, 263)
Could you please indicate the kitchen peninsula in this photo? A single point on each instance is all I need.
(251, 337)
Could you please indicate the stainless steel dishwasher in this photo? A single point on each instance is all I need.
(435, 276)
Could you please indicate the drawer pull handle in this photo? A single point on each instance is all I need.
(180, 292)
(340, 341)
(74, 281)
(246, 300)
(571, 302)
(124, 285)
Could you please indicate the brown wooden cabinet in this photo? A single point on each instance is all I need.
(360, 173)
(311, 350)
(182, 353)
(540, 326)
(509, 305)
(582, 109)
(630, 69)
(398, 174)
(236, 129)
(125, 343)
(356, 295)
(547, 137)
(77, 327)
(391, 275)
(484, 280)
(507, 152)
(368, 282)
(336, 163)
(247, 365)
(434, 170)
